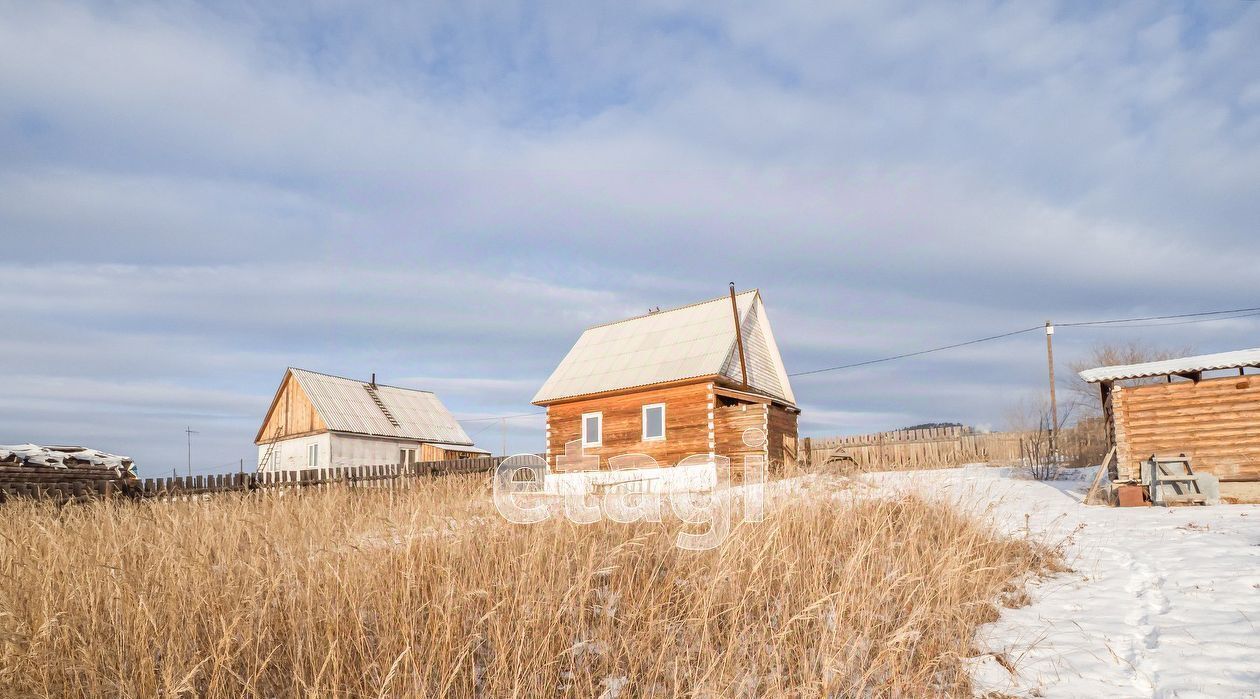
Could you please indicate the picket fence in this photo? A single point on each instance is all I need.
(78, 485)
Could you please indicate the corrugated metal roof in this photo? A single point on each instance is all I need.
(1184, 365)
(681, 343)
(346, 405)
(459, 447)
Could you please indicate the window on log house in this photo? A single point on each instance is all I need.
(654, 422)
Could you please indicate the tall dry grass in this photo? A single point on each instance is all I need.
(426, 592)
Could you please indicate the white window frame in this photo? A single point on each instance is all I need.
(405, 452)
(599, 442)
(312, 455)
(644, 421)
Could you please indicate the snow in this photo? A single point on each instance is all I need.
(1161, 602)
(684, 477)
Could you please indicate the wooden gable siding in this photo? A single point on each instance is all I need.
(686, 424)
(292, 413)
(1214, 421)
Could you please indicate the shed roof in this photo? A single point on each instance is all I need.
(1185, 365)
(681, 343)
(347, 405)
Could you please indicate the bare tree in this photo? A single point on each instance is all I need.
(1111, 354)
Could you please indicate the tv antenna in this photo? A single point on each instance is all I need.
(190, 432)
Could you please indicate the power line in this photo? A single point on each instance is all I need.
(1116, 323)
(498, 417)
(1136, 320)
(920, 352)
(474, 435)
(1097, 326)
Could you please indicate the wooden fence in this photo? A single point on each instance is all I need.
(946, 447)
(67, 485)
(938, 447)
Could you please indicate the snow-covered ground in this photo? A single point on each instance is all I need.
(1161, 602)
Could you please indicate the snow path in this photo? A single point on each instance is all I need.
(1161, 602)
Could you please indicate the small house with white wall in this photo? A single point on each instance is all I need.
(322, 421)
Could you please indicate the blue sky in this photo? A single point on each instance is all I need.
(193, 197)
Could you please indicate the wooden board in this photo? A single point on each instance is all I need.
(781, 435)
(291, 414)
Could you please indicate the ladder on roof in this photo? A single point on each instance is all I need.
(376, 398)
(1174, 473)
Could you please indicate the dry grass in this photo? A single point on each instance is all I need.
(426, 592)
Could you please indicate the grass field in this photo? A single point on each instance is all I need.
(425, 591)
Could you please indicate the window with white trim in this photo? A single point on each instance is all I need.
(406, 456)
(592, 429)
(312, 456)
(654, 422)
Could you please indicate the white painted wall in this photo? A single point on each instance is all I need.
(335, 451)
(291, 454)
(353, 450)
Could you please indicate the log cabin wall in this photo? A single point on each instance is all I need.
(292, 413)
(1214, 421)
(730, 420)
(781, 436)
(687, 424)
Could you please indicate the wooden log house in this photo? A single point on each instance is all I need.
(1207, 407)
(701, 379)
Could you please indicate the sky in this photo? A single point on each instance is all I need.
(195, 196)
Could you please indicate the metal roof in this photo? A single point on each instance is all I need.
(460, 447)
(347, 405)
(681, 343)
(1184, 365)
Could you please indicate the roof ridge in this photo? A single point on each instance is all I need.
(671, 310)
(359, 381)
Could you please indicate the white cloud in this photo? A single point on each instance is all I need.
(451, 193)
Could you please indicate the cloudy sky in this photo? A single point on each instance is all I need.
(193, 197)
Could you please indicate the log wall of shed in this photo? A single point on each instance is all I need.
(1214, 421)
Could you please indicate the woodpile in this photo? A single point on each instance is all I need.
(66, 457)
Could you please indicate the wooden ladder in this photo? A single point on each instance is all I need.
(376, 398)
(271, 448)
(1182, 480)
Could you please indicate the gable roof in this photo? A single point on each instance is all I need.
(1185, 365)
(688, 342)
(347, 405)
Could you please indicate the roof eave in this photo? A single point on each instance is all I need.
(702, 378)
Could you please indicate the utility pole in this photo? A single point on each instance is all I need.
(190, 432)
(503, 434)
(1054, 405)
